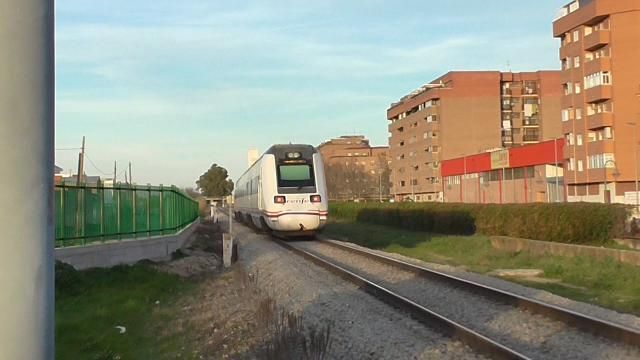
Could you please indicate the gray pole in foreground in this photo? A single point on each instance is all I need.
(26, 197)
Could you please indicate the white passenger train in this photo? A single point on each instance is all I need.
(284, 191)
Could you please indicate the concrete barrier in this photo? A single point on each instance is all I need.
(569, 250)
(124, 251)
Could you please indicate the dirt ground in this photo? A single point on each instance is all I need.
(228, 316)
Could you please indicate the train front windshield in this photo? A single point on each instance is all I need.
(295, 176)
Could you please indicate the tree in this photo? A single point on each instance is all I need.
(215, 182)
(346, 181)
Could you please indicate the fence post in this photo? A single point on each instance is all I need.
(101, 190)
(27, 152)
(63, 193)
(83, 214)
(118, 213)
(161, 210)
(133, 201)
(148, 209)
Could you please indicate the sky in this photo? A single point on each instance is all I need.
(175, 86)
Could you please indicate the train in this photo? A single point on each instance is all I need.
(284, 192)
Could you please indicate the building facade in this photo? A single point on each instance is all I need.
(466, 113)
(354, 169)
(600, 56)
(524, 174)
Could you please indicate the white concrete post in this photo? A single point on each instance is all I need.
(26, 193)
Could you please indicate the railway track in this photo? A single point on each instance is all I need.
(494, 322)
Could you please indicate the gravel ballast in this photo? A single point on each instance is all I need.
(530, 334)
(362, 326)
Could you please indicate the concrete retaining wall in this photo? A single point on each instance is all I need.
(125, 251)
(559, 249)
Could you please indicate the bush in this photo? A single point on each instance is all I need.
(68, 281)
(578, 223)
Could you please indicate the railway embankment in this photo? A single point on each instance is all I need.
(603, 282)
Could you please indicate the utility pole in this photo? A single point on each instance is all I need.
(115, 171)
(130, 177)
(635, 160)
(81, 165)
(27, 126)
(380, 184)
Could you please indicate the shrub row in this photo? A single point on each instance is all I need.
(577, 223)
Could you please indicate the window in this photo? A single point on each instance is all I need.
(591, 136)
(402, 183)
(566, 114)
(577, 88)
(576, 62)
(566, 64)
(295, 176)
(599, 161)
(597, 79)
(568, 88)
(578, 114)
(576, 35)
(588, 57)
(580, 166)
(588, 30)
(571, 164)
(569, 137)
(579, 139)
(608, 132)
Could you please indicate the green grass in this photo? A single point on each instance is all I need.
(604, 282)
(89, 304)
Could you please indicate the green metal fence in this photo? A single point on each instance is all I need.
(87, 214)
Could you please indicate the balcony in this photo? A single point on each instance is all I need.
(598, 93)
(597, 39)
(570, 50)
(566, 76)
(600, 120)
(601, 147)
(566, 101)
(596, 65)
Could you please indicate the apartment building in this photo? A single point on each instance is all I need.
(353, 150)
(600, 56)
(355, 169)
(466, 113)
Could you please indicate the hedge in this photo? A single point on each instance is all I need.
(576, 223)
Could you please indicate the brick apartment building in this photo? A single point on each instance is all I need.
(600, 56)
(354, 156)
(466, 113)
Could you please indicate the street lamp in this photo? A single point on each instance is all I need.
(615, 174)
(635, 159)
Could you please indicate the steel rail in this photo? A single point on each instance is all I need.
(598, 327)
(475, 340)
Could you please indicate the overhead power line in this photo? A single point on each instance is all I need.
(95, 167)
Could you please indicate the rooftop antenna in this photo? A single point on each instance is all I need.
(508, 65)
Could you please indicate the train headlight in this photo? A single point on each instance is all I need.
(279, 199)
(294, 155)
(316, 198)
